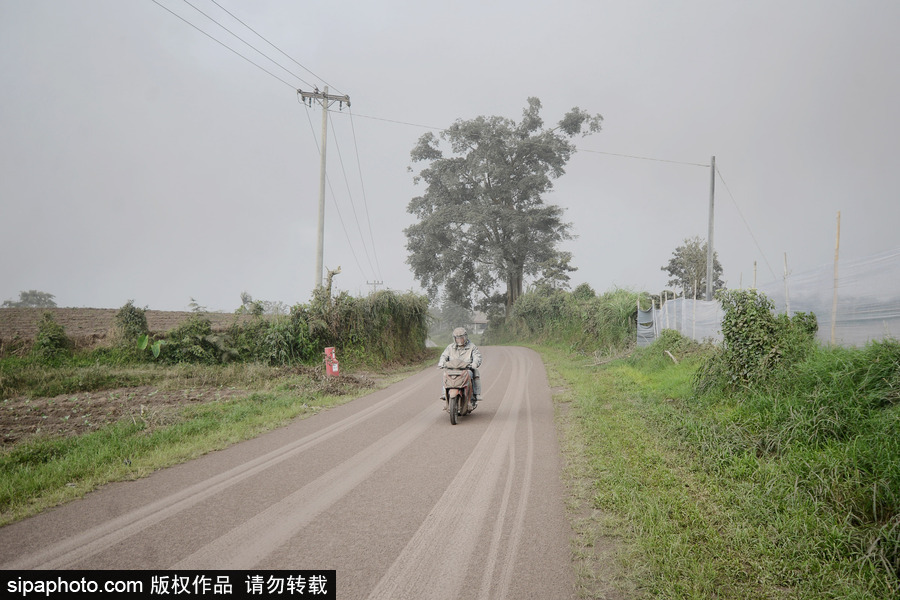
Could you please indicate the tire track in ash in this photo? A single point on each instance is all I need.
(249, 543)
(102, 537)
(518, 522)
(435, 561)
(255, 539)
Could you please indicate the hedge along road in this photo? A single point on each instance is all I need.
(384, 490)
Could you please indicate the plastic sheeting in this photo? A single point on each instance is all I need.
(696, 319)
(646, 328)
(868, 298)
(867, 305)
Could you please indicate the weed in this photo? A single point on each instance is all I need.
(51, 343)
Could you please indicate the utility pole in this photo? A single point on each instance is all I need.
(375, 285)
(709, 237)
(326, 100)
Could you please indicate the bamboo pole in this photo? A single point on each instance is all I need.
(656, 316)
(787, 297)
(667, 308)
(834, 299)
(694, 316)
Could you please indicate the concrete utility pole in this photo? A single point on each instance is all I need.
(709, 237)
(326, 100)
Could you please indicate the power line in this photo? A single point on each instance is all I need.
(276, 48)
(747, 225)
(400, 122)
(336, 207)
(677, 162)
(441, 129)
(260, 52)
(223, 44)
(352, 204)
(292, 74)
(363, 187)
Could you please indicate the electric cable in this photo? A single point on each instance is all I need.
(677, 162)
(441, 129)
(350, 195)
(278, 49)
(400, 122)
(293, 87)
(747, 225)
(223, 44)
(340, 155)
(260, 52)
(363, 188)
(336, 207)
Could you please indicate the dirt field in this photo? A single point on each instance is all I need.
(72, 414)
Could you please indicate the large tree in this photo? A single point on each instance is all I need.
(687, 268)
(482, 218)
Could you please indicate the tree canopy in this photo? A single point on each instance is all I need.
(687, 268)
(482, 219)
(32, 299)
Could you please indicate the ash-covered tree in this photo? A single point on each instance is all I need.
(32, 299)
(482, 221)
(447, 315)
(687, 268)
(555, 272)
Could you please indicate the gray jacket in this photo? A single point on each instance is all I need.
(469, 353)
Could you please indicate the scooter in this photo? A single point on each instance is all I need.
(458, 388)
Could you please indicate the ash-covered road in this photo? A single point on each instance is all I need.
(384, 490)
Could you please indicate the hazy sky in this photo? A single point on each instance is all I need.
(142, 160)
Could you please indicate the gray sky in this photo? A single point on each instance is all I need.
(140, 159)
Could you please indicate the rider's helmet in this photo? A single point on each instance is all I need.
(460, 333)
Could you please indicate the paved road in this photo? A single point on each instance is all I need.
(383, 489)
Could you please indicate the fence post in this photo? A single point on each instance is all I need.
(837, 246)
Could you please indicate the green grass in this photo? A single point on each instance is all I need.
(43, 472)
(735, 497)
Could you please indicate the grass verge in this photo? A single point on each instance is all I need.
(687, 511)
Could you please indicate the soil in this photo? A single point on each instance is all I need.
(74, 414)
(22, 418)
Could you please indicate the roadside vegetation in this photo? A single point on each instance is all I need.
(764, 467)
(75, 420)
(767, 466)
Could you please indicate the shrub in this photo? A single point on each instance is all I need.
(51, 342)
(580, 319)
(758, 346)
(194, 342)
(131, 323)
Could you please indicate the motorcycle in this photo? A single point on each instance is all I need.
(458, 388)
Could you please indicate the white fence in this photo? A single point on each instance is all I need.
(857, 302)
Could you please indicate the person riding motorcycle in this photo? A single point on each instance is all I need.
(462, 348)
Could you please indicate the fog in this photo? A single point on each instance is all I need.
(141, 159)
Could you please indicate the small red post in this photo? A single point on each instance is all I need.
(331, 363)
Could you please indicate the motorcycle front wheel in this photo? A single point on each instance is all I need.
(454, 406)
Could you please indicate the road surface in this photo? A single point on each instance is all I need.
(384, 490)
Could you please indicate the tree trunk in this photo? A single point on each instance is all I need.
(513, 288)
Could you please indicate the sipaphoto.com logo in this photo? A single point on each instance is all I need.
(47, 585)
